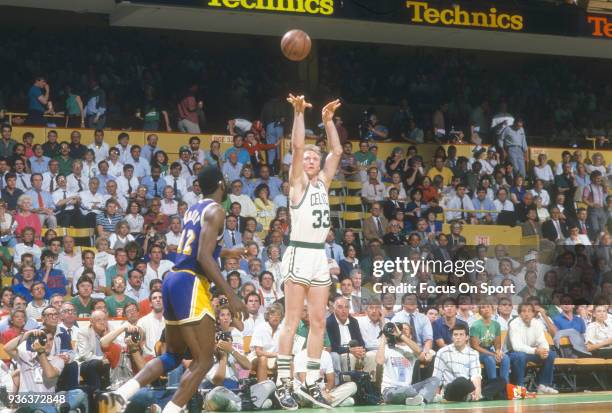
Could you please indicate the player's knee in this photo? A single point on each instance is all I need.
(317, 326)
(170, 361)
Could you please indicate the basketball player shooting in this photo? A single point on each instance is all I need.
(304, 266)
(188, 311)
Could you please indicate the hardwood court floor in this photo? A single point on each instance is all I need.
(595, 402)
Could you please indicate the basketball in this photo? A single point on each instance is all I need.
(295, 45)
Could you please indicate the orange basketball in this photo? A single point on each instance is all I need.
(295, 45)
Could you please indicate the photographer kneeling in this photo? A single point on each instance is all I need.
(39, 372)
(398, 353)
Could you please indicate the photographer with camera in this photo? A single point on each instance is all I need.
(398, 353)
(39, 371)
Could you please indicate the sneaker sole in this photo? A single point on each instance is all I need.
(418, 400)
(308, 397)
(281, 405)
(104, 405)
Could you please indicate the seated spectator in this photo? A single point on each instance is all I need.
(35, 307)
(398, 360)
(97, 274)
(54, 278)
(442, 335)
(349, 262)
(16, 325)
(598, 336)
(106, 223)
(374, 226)
(35, 357)
(117, 299)
(372, 190)
(24, 287)
(393, 236)
(10, 192)
(458, 369)
(94, 365)
(136, 289)
(528, 344)
(485, 338)
(347, 344)
(263, 205)
(154, 216)
(83, 302)
(460, 202)
(566, 319)
(121, 236)
(25, 218)
(392, 205)
(27, 245)
(264, 343)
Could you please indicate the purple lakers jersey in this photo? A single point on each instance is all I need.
(187, 251)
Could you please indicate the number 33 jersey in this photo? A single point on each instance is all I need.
(310, 219)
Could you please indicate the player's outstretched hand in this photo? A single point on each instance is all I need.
(237, 307)
(327, 113)
(237, 253)
(299, 103)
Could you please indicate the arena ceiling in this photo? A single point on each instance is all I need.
(128, 14)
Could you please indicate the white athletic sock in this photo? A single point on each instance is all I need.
(313, 370)
(128, 389)
(172, 408)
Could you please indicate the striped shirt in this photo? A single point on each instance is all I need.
(108, 222)
(451, 364)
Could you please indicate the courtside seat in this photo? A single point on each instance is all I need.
(60, 231)
(337, 187)
(565, 362)
(353, 203)
(353, 187)
(591, 362)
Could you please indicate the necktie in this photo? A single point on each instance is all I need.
(188, 168)
(64, 194)
(413, 326)
(582, 228)
(129, 186)
(378, 224)
(51, 184)
(155, 187)
(331, 252)
(233, 238)
(175, 186)
(462, 211)
(23, 181)
(41, 203)
(80, 184)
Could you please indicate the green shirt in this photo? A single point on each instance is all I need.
(112, 304)
(65, 165)
(7, 256)
(82, 310)
(365, 159)
(485, 333)
(302, 331)
(112, 271)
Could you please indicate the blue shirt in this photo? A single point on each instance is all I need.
(248, 186)
(150, 184)
(148, 151)
(34, 104)
(441, 330)
(243, 155)
(46, 197)
(563, 323)
(422, 325)
(39, 165)
(103, 180)
(231, 172)
(273, 183)
(486, 205)
(22, 290)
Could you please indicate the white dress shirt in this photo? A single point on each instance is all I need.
(115, 169)
(124, 153)
(525, 338)
(100, 152)
(123, 187)
(72, 183)
(370, 332)
(91, 202)
(47, 178)
(455, 203)
(23, 181)
(180, 184)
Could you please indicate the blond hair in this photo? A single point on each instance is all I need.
(312, 148)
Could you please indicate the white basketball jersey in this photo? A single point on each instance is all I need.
(310, 220)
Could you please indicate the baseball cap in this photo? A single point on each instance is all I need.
(184, 148)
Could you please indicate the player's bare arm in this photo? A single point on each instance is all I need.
(333, 158)
(212, 226)
(297, 175)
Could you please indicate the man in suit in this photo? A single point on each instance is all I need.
(392, 204)
(346, 291)
(95, 372)
(374, 227)
(455, 239)
(231, 236)
(584, 225)
(347, 344)
(554, 229)
(363, 295)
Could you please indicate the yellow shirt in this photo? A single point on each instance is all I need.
(446, 173)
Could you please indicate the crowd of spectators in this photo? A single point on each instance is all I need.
(141, 84)
(100, 305)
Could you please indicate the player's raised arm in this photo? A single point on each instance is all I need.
(333, 158)
(212, 225)
(297, 177)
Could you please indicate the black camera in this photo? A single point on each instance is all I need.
(223, 301)
(134, 335)
(224, 336)
(35, 338)
(389, 331)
